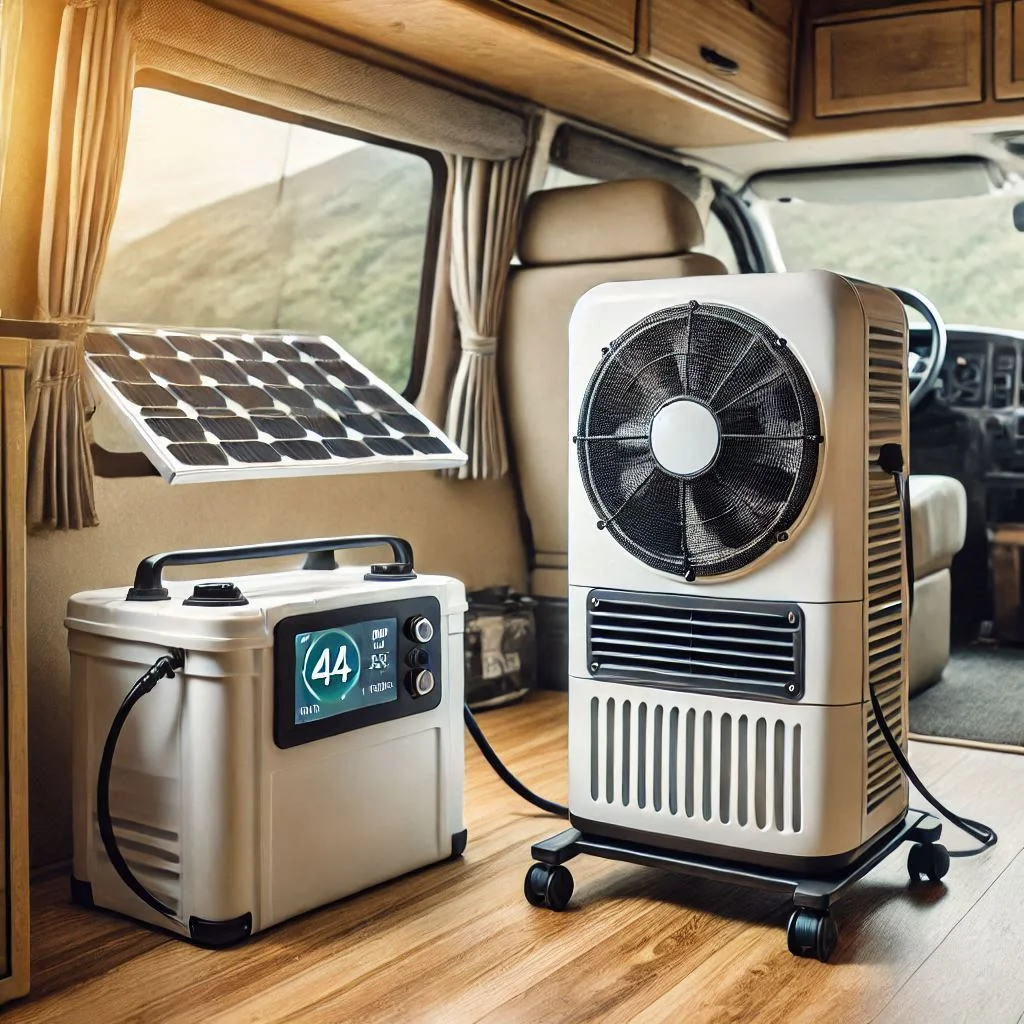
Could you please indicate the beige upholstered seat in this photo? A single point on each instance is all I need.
(573, 239)
(938, 506)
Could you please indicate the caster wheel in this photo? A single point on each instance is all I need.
(928, 859)
(547, 886)
(812, 933)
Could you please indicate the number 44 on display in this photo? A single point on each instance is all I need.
(324, 672)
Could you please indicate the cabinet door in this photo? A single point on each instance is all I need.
(613, 21)
(925, 59)
(726, 45)
(14, 921)
(1009, 50)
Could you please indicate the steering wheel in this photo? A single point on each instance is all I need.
(924, 370)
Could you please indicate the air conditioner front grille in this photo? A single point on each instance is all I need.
(741, 648)
(885, 567)
(743, 770)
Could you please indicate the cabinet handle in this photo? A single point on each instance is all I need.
(722, 64)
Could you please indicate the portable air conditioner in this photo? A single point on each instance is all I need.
(736, 566)
(304, 743)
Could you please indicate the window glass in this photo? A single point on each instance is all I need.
(230, 219)
(962, 253)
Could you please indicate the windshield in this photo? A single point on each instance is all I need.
(964, 254)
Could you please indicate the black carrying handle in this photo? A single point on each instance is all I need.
(149, 573)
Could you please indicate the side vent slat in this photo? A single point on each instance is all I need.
(701, 765)
(886, 639)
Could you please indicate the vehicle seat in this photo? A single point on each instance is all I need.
(938, 507)
(571, 240)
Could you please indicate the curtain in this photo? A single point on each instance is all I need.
(10, 35)
(89, 118)
(487, 203)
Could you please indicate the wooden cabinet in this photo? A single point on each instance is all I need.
(899, 61)
(740, 50)
(14, 921)
(612, 21)
(1008, 58)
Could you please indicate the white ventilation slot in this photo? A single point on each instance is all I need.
(887, 388)
(153, 854)
(742, 770)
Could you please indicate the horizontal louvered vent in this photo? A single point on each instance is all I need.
(744, 647)
(887, 387)
(154, 856)
(740, 770)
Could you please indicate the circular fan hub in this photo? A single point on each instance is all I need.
(685, 437)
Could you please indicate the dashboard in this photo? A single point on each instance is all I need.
(983, 375)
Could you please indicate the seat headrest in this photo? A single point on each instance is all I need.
(614, 220)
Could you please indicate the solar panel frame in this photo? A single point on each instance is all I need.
(172, 457)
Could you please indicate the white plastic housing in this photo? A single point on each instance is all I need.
(212, 816)
(851, 340)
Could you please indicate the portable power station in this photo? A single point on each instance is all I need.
(248, 750)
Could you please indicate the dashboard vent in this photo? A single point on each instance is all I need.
(1004, 373)
(715, 646)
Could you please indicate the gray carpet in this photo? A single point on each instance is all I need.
(979, 697)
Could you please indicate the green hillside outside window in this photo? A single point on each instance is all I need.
(964, 254)
(230, 219)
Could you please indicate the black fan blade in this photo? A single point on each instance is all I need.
(760, 473)
(726, 522)
(650, 524)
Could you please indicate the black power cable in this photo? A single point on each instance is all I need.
(890, 460)
(548, 806)
(164, 667)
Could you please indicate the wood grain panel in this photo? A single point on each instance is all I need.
(485, 43)
(927, 59)
(13, 355)
(613, 21)
(723, 44)
(1008, 56)
(457, 943)
(778, 12)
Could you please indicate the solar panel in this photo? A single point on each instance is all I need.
(229, 405)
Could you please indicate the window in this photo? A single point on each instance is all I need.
(232, 219)
(962, 253)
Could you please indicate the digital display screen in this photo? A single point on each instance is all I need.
(344, 668)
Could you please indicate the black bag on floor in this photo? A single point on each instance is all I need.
(501, 647)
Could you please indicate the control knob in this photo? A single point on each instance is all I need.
(420, 683)
(420, 629)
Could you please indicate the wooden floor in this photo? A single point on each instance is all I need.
(459, 943)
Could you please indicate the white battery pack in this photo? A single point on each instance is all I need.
(309, 745)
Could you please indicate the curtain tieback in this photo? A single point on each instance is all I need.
(482, 344)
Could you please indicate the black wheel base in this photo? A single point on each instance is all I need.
(548, 886)
(930, 860)
(812, 933)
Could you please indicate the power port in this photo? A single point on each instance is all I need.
(417, 658)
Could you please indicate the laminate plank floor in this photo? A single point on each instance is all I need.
(458, 943)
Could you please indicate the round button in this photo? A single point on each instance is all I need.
(418, 658)
(420, 629)
(421, 683)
